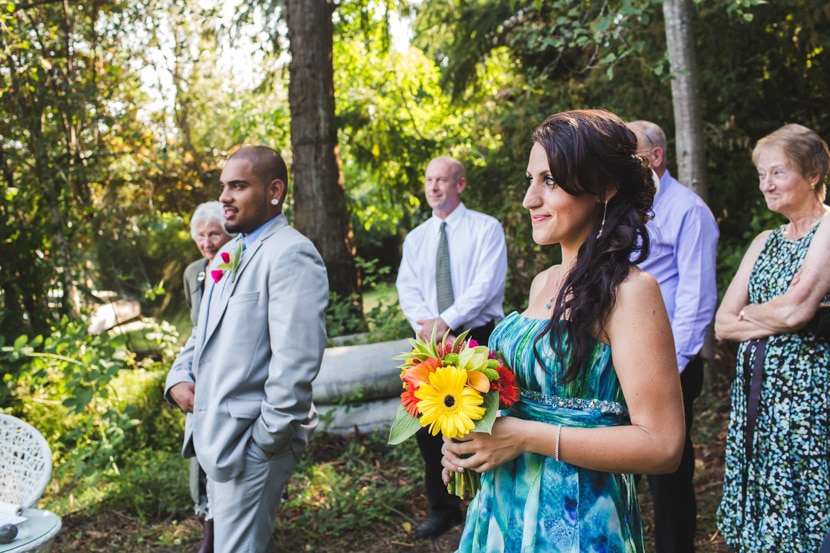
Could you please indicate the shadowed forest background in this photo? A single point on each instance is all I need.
(115, 119)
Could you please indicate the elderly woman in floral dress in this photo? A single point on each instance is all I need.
(777, 476)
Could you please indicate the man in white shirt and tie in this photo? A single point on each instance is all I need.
(470, 297)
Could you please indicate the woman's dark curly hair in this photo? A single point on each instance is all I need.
(594, 152)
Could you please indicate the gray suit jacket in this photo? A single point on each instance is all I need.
(194, 276)
(255, 349)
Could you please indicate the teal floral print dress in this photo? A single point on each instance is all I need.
(535, 503)
(776, 492)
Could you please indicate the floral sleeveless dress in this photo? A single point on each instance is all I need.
(777, 496)
(535, 503)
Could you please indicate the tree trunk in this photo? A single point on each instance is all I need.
(691, 165)
(691, 161)
(318, 190)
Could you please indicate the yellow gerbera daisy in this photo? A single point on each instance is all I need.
(447, 404)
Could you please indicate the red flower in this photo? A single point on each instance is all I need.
(506, 387)
(444, 349)
(217, 274)
(230, 262)
(453, 347)
(408, 399)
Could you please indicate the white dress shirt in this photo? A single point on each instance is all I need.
(478, 261)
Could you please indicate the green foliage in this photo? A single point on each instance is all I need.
(777, 51)
(556, 60)
(151, 484)
(95, 404)
(392, 118)
(362, 484)
(545, 38)
(340, 316)
(384, 317)
(80, 121)
(385, 321)
(145, 260)
(65, 127)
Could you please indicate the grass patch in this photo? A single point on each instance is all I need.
(347, 485)
(383, 294)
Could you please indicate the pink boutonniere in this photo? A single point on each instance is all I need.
(230, 262)
(217, 275)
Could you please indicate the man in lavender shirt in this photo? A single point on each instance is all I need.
(684, 236)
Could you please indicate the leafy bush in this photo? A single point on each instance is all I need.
(93, 401)
(384, 320)
(346, 484)
(152, 484)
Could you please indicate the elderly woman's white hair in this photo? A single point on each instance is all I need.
(208, 212)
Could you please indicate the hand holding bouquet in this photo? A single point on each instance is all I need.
(453, 388)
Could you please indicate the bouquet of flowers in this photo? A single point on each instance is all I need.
(453, 388)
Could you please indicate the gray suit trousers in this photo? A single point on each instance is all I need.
(245, 507)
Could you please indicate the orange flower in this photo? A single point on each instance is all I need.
(478, 381)
(419, 373)
(407, 365)
(432, 363)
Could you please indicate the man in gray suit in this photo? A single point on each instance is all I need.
(244, 376)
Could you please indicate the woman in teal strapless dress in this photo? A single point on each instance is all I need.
(593, 354)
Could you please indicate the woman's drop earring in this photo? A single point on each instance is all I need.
(604, 212)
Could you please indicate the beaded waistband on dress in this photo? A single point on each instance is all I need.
(603, 406)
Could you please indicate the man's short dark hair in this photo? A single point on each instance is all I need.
(266, 163)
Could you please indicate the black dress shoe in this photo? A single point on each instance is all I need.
(436, 524)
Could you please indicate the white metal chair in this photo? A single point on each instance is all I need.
(25, 462)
